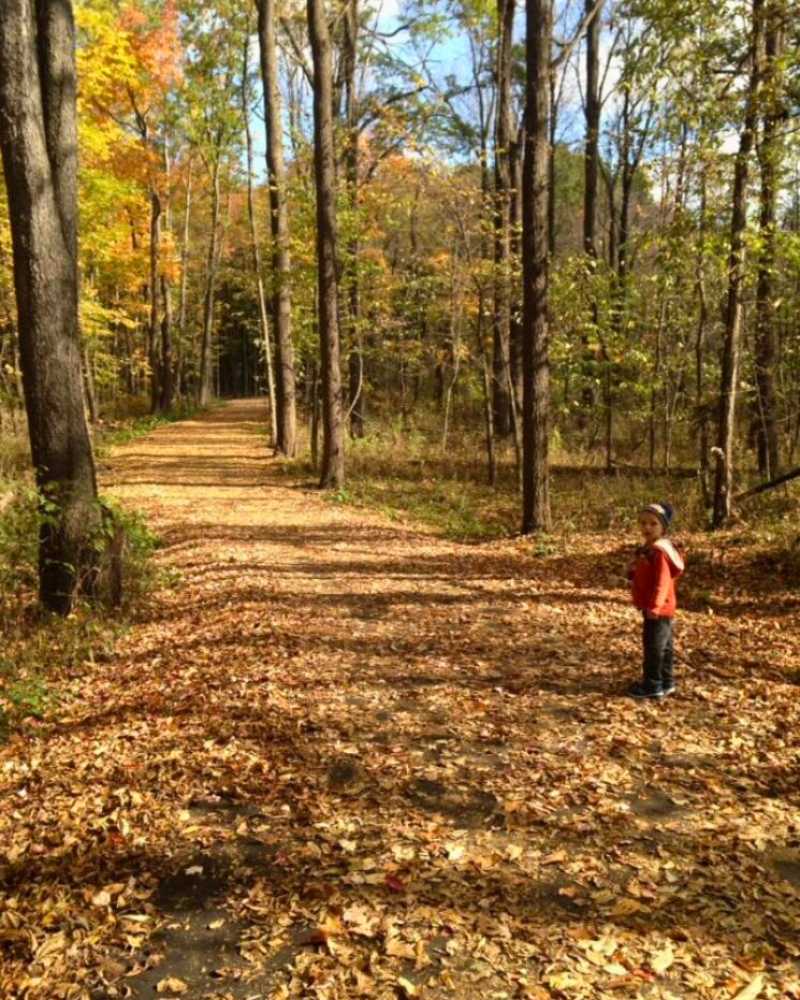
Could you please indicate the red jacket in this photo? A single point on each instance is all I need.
(653, 576)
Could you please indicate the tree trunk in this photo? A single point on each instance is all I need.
(770, 155)
(554, 101)
(629, 165)
(155, 297)
(701, 414)
(356, 347)
(285, 389)
(88, 383)
(332, 470)
(501, 355)
(536, 373)
(487, 397)
(314, 430)
(167, 364)
(182, 309)
(515, 301)
(591, 171)
(254, 245)
(38, 139)
(726, 425)
(206, 347)
(165, 349)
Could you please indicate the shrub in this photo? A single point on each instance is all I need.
(41, 650)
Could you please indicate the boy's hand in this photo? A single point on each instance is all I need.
(651, 615)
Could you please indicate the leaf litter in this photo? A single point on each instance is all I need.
(347, 758)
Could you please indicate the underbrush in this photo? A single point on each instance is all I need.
(137, 425)
(407, 474)
(40, 650)
(136, 422)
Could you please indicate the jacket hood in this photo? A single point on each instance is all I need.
(673, 556)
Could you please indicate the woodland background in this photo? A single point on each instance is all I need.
(661, 118)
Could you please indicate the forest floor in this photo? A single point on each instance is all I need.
(343, 757)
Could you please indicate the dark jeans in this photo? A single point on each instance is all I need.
(658, 653)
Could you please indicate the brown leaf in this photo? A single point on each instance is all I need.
(172, 985)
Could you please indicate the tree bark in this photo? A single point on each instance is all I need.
(254, 245)
(206, 347)
(591, 156)
(165, 348)
(153, 338)
(769, 155)
(488, 414)
(701, 336)
(167, 382)
(515, 301)
(536, 369)
(726, 423)
(501, 355)
(184, 298)
(332, 468)
(38, 140)
(591, 169)
(88, 383)
(356, 352)
(285, 388)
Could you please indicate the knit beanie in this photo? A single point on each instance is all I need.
(663, 512)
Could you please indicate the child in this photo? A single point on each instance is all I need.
(653, 574)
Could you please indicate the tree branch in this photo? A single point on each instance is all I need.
(567, 48)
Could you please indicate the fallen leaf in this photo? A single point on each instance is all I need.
(626, 908)
(563, 981)
(172, 985)
(455, 852)
(661, 961)
(752, 990)
(361, 921)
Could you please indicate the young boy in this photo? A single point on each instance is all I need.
(653, 574)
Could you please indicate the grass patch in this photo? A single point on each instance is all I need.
(408, 476)
(42, 651)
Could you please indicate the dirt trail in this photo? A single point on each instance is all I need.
(341, 758)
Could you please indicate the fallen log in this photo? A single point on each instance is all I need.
(763, 487)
